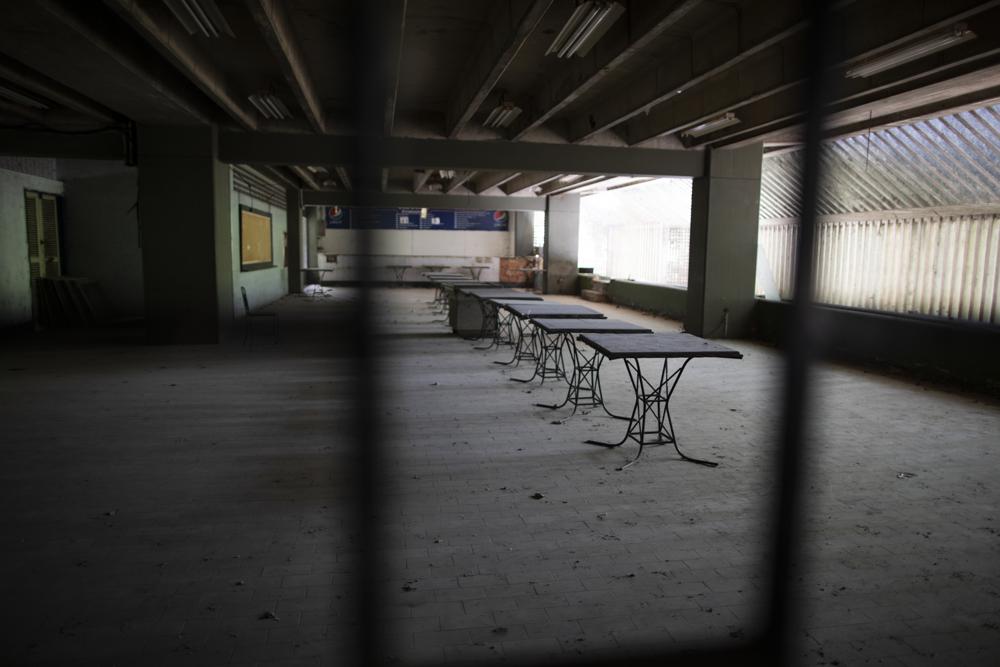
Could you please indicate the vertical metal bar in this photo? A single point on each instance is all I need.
(369, 88)
(786, 547)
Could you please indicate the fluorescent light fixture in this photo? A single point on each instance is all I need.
(503, 115)
(201, 17)
(956, 35)
(269, 106)
(586, 25)
(20, 98)
(725, 120)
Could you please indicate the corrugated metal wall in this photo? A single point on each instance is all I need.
(941, 266)
(921, 254)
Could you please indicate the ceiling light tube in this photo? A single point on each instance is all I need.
(575, 18)
(957, 35)
(588, 23)
(201, 17)
(280, 107)
(268, 102)
(725, 120)
(585, 26)
(258, 105)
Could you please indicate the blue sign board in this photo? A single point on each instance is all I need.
(415, 218)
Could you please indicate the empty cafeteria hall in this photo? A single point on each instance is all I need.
(524, 332)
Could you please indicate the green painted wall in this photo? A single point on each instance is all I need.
(15, 274)
(659, 299)
(958, 352)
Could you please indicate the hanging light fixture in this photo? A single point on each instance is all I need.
(586, 25)
(958, 34)
(270, 106)
(709, 126)
(201, 17)
(503, 114)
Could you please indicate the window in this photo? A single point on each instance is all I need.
(640, 232)
(256, 245)
(538, 229)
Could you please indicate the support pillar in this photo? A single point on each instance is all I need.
(524, 234)
(723, 257)
(293, 218)
(185, 220)
(562, 243)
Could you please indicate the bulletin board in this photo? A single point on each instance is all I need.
(256, 244)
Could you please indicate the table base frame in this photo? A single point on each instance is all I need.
(650, 423)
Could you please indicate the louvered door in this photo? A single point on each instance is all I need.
(41, 217)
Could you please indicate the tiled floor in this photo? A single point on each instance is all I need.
(189, 505)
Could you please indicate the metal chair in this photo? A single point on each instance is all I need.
(249, 319)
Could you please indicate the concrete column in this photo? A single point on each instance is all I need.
(723, 257)
(314, 229)
(185, 220)
(293, 218)
(562, 243)
(524, 233)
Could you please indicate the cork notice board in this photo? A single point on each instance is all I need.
(256, 251)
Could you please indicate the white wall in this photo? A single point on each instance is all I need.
(15, 275)
(264, 285)
(451, 248)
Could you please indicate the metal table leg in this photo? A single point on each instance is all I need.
(549, 362)
(490, 326)
(584, 389)
(652, 409)
(524, 344)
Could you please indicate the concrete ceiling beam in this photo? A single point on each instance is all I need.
(390, 152)
(39, 143)
(493, 179)
(526, 181)
(420, 177)
(778, 71)
(458, 181)
(305, 176)
(509, 25)
(167, 81)
(396, 20)
(41, 85)
(272, 19)
(557, 188)
(624, 40)
(933, 91)
(426, 200)
(343, 176)
(710, 53)
(182, 51)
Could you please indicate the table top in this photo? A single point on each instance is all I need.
(476, 266)
(316, 268)
(551, 325)
(503, 300)
(552, 310)
(488, 292)
(444, 274)
(657, 346)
